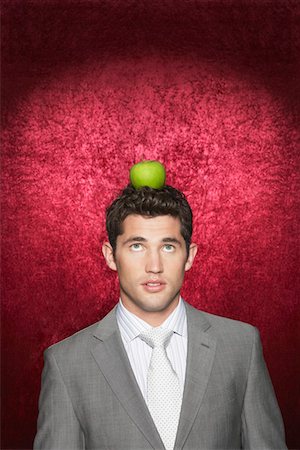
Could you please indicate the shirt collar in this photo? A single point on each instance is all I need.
(132, 326)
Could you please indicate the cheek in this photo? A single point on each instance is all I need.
(129, 267)
(176, 270)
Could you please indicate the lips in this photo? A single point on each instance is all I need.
(153, 282)
(154, 285)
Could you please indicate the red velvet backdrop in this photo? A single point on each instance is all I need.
(211, 89)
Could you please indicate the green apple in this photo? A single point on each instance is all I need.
(148, 173)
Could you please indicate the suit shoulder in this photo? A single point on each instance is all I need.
(233, 337)
(230, 324)
(80, 341)
(74, 341)
(223, 326)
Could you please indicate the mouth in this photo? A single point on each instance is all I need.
(154, 286)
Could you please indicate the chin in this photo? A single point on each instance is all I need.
(154, 308)
(157, 307)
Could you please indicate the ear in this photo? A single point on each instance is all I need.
(192, 254)
(109, 255)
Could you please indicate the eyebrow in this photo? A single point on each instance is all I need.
(142, 239)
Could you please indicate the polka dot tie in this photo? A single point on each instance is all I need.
(164, 393)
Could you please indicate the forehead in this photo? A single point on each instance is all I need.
(160, 226)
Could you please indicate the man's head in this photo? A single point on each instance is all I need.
(150, 247)
(149, 202)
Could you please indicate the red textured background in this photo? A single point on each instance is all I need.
(211, 89)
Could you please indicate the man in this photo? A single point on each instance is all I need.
(156, 373)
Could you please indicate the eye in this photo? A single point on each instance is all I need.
(136, 247)
(169, 248)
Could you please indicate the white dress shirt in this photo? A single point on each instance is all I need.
(139, 353)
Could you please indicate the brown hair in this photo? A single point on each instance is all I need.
(151, 203)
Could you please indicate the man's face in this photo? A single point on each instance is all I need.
(151, 259)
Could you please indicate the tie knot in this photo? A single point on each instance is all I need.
(156, 337)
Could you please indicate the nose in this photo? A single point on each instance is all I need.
(154, 263)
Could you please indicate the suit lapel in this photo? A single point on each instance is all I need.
(200, 356)
(113, 362)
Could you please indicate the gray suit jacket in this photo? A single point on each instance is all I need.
(90, 398)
